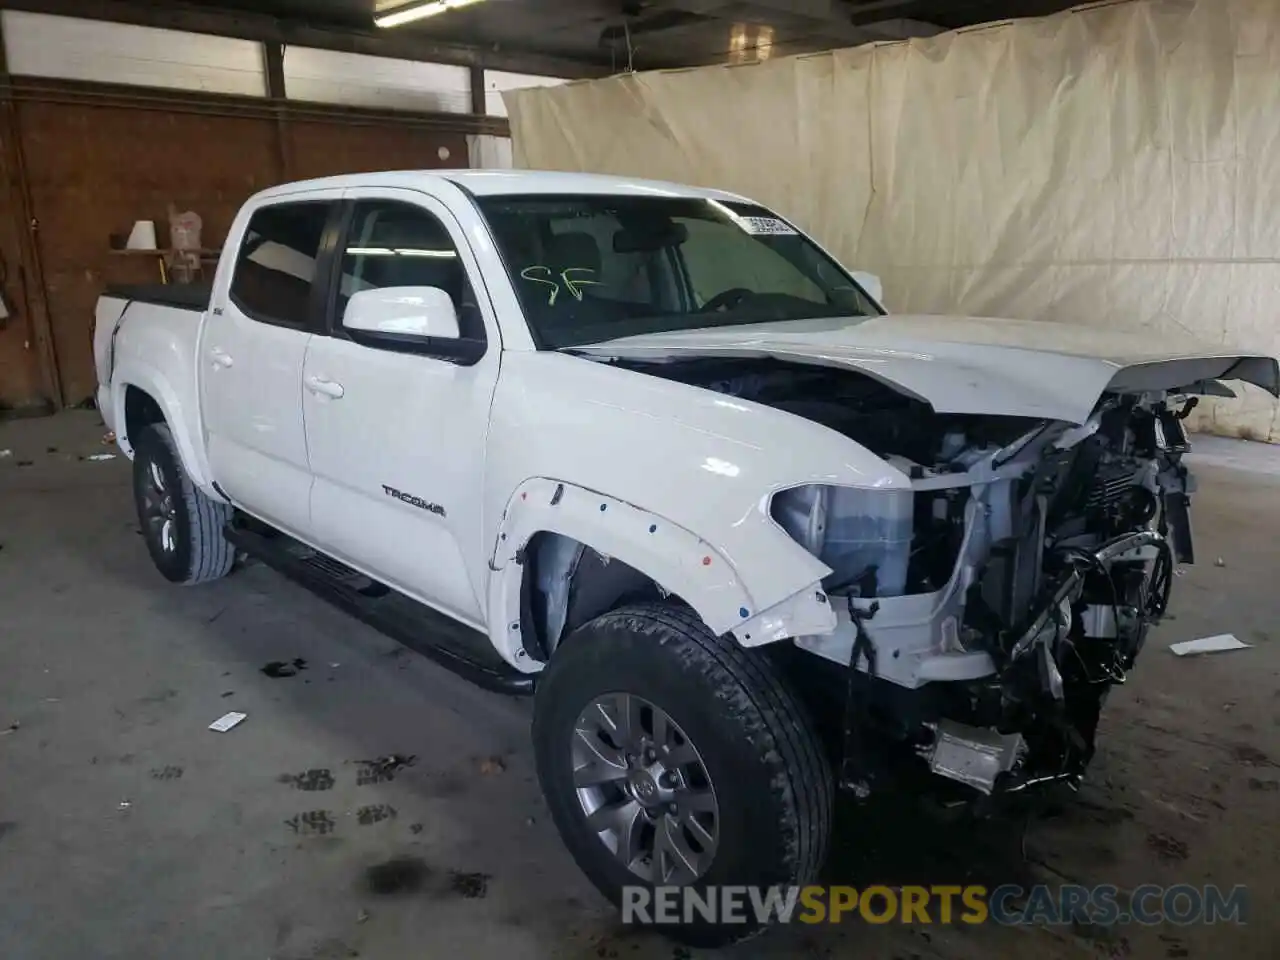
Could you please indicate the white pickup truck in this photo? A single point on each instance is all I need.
(648, 452)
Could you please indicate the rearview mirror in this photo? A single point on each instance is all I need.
(403, 312)
(870, 283)
(649, 237)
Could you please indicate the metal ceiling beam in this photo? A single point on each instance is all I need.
(870, 11)
(950, 13)
(402, 44)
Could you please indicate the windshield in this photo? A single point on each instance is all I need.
(595, 267)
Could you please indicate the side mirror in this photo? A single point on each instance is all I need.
(403, 312)
(870, 283)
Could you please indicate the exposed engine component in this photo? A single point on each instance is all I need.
(972, 755)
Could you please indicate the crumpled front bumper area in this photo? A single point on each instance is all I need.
(1031, 719)
(1055, 676)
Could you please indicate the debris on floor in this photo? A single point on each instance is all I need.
(382, 770)
(125, 804)
(397, 875)
(99, 457)
(492, 765)
(471, 886)
(228, 721)
(10, 728)
(5, 453)
(1215, 644)
(1167, 847)
(108, 438)
(1219, 562)
(279, 669)
(318, 823)
(309, 781)
(375, 813)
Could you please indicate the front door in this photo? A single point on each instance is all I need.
(397, 439)
(252, 352)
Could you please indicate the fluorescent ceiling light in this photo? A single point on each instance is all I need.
(418, 11)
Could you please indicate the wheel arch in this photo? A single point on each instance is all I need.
(605, 552)
(140, 396)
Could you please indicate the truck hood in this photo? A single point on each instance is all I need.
(972, 365)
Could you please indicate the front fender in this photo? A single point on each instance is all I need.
(758, 611)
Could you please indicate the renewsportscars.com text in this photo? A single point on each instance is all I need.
(1009, 905)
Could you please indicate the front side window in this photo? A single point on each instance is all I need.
(392, 244)
(276, 266)
(594, 268)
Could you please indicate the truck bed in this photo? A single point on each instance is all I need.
(185, 296)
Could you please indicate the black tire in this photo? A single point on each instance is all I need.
(757, 741)
(199, 551)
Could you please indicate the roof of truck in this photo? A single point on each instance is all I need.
(498, 182)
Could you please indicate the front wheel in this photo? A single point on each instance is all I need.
(670, 757)
(181, 525)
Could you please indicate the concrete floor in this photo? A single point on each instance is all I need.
(127, 829)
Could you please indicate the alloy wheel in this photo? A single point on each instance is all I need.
(644, 789)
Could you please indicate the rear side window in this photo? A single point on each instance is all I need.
(276, 268)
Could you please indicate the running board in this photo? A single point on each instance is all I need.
(421, 629)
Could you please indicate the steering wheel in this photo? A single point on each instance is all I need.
(726, 300)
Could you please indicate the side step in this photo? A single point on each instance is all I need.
(453, 645)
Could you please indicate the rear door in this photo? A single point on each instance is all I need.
(252, 353)
(397, 435)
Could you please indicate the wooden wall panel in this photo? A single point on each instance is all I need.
(324, 148)
(19, 369)
(20, 382)
(95, 166)
(93, 170)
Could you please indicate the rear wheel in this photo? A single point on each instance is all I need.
(181, 525)
(672, 757)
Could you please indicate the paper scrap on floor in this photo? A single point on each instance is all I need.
(225, 723)
(1216, 644)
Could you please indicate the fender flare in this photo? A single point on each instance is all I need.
(181, 418)
(678, 560)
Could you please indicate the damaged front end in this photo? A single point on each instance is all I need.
(1034, 572)
(984, 614)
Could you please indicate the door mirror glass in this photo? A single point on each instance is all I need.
(870, 283)
(403, 312)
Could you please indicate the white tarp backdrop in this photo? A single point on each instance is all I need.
(1113, 166)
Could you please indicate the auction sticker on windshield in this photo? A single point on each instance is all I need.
(766, 226)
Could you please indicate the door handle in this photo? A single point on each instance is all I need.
(325, 388)
(220, 357)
